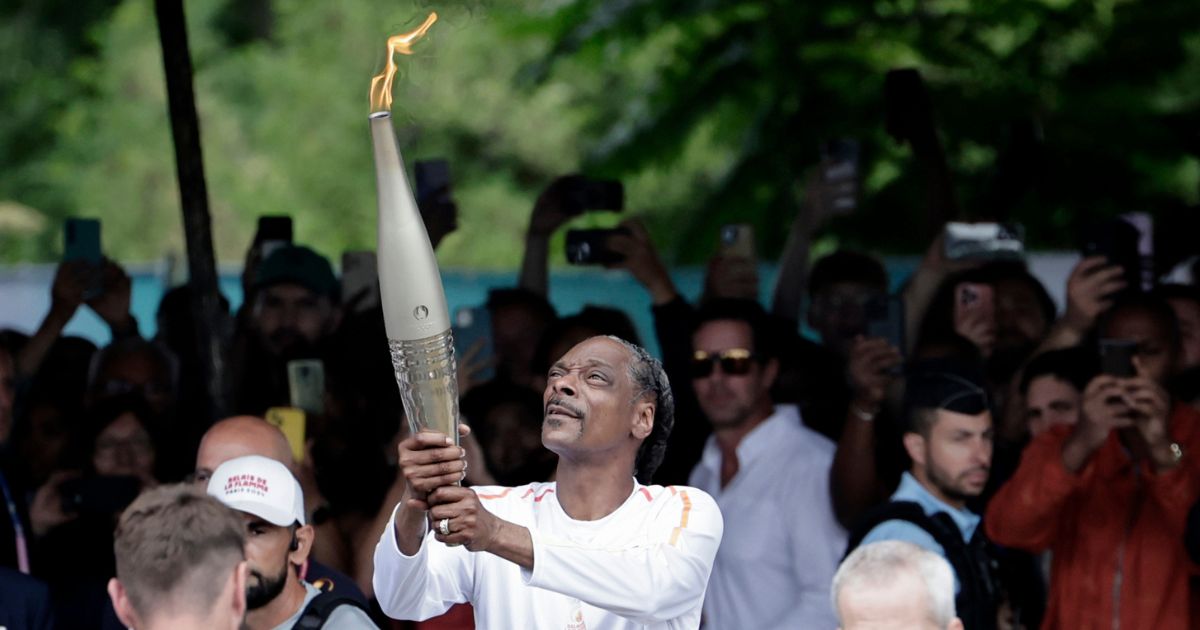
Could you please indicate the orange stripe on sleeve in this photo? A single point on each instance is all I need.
(496, 496)
(683, 519)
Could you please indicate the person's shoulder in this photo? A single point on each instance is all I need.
(678, 497)
(905, 531)
(348, 616)
(329, 580)
(16, 586)
(808, 447)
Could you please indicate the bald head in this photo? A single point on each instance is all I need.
(239, 436)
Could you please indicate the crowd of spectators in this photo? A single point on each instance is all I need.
(1051, 459)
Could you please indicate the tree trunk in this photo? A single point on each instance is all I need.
(193, 195)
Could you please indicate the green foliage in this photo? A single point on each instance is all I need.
(711, 111)
(1108, 86)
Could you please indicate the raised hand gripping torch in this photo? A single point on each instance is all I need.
(414, 303)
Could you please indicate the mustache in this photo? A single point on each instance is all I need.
(559, 402)
(983, 469)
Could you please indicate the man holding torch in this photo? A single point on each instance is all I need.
(595, 549)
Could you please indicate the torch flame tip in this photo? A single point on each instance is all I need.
(381, 85)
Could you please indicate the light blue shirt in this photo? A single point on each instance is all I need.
(911, 490)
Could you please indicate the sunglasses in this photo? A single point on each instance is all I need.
(734, 361)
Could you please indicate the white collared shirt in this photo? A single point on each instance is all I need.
(643, 566)
(782, 542)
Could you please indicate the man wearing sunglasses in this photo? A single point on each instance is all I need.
(770, 476)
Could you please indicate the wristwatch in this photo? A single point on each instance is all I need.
(1176, 452)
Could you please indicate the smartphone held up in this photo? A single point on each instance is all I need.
(81, 245)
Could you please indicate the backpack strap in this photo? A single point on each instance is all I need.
(907, 511)
(320, 607)
(969, 559)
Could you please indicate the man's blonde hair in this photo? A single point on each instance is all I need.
(175, 548)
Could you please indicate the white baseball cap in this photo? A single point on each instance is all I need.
(260, 486)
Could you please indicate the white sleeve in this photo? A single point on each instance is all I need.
(816, 551)
(656, 581)
(423, 585)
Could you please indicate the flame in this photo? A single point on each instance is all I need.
(381, 85)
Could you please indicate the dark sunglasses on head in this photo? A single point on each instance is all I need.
(734, 361)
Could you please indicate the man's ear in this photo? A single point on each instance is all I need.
(914, 443)
(121, 604)
(955, 624)
(643, 421)
(238, 579)
(770, 373)
(304, 540)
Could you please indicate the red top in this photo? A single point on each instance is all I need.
(1115, 529)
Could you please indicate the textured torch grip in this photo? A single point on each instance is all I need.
(428, 378)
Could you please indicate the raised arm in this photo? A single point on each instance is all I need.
(818, 205)
(407, 582)
(66, 294)
(854, 480)
(549, 213)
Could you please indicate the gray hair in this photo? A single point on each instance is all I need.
(648, 377)
(884, 562)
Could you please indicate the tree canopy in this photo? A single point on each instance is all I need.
(711, 111)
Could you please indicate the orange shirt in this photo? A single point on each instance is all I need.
(1115, 530)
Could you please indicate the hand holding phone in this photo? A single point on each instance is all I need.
(81, 246)
(291, 421)
(1090, 290)
(590, 247)
(737, 240)
(1116, 357)
(306, 385)
(873, 365)
(983, 241)
(1125, 245)
(839, 176)
(473, 344)
(885, 320)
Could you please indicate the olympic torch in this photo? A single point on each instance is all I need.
(414, 303)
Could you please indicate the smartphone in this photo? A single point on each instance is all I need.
(291, 421)
(360, 281)
(98, 495)
(984, 241)
(1116, 357)
(587, 247)
(274, 231)
(840, 160)
(473, 327)
(973, 297)
(306, 385)
(738, 240)
(1126, 243)
(583, 194)
(81, 244)
(885, 319)
(907, 107)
